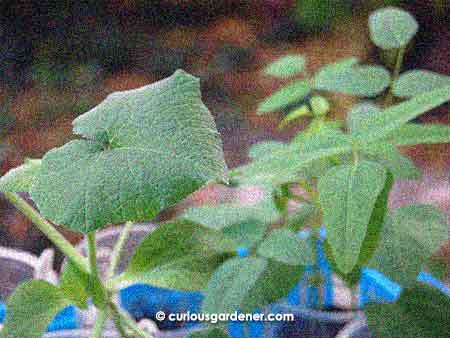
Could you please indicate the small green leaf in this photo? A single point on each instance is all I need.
(210, 333)
(346, 77)
(392, 27)
(270, 287)
(246, 234)
(359, 113)
(410, 236)
(415, 82)
(285, 97)
(384, 124)
(297, 220)
(348, 194)
(179, 258)
(389, 156)
(264, 148)
(31, 308)
(231, 283)
(75, 285)
(284, 246)
(141, 151)
(224, 215)
(286, 66)
(285, 165)
(20, 179)
(413, 133)
(420, 312)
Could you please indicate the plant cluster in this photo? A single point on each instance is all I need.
(143, 150)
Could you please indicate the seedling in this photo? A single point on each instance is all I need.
(341, 172)
(138, 152)
(143, 150)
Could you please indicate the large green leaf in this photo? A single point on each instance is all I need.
(415, 82)
(231, 283)
(264, 148)
(421, 312)
(142, 151)
(74, 283)
(384, 124)
(346, 77)
(20, 179)
(284, 246)
(286, 66)
(392, 27)
(31, 308)
(287, 96)
(285, 165)
(179, 258)
(410, 236)
(389, 156)
(348, 194)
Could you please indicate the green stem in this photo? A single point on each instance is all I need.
(397, 68)
(92, 254)
(100, 321)
(128, 321)
(49, 230)
(117, 251)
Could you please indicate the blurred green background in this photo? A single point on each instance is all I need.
(60, 58)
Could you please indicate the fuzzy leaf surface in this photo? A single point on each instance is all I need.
(141, 151)
(289, 95)
(20, 179)
(415, 82)
(286, 66)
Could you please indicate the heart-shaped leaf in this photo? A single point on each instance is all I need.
(20, 179)
(392, 27)
(142, 151)
(31, 308)
(348, 194)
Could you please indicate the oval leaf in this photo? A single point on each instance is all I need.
(392, 27)
(284, 246)
(417, 81)
(410, 236)
(348, 194)
(31, 308)
(420, 312)
(346, 77)
(231, 283)
(286, 66)
(144, 150)
(287, 96)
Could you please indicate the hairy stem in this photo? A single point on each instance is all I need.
(100, 321)
(396, 73)
(117, 251)
(49, 230)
